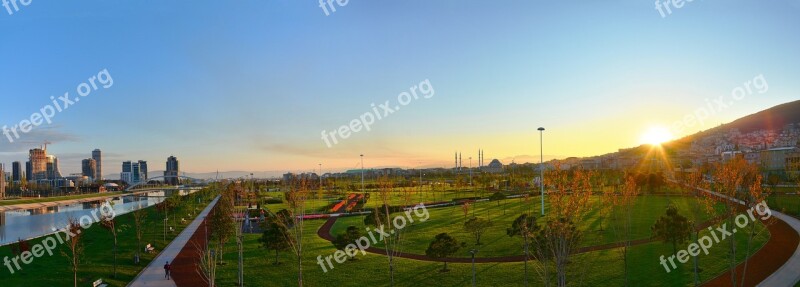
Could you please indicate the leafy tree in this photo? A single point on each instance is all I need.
(443, 246)
(477, 226)
(221, 223)
(348, 237)
(672, 228)
(524, 226)
(497, 196)
(275, 238)
(569, 198)
(376, 218)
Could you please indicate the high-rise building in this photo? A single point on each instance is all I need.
(172, 172)
(38, 160)
(2, 182)
(89, 168)
(16, 171)
(52, 168)
(134, 172)
(143, 170)
(97, 155)
(28, 171)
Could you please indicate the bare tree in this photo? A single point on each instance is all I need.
(139, 221)
(74, 247)
(207, 267)
(109, 223)
(385, 187)
(293, 221)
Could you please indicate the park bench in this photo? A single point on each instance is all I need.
(149, 248)
(99, 283)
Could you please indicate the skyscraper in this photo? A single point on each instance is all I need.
(28, 171)
(143, 170)
(52, 168)
(16, 171)
(97, 155)
(172, 172)
(38, 160)
(89, 168)
(134, 172)
(2, 182)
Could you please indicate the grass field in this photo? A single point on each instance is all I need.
(599, 268)
(97, 261)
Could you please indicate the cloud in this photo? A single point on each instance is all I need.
(36, 137)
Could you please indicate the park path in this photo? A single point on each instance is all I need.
(153, 274)
(777, 262)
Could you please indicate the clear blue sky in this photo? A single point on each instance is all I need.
(250, 85)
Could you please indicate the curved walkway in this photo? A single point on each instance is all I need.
(775, 264)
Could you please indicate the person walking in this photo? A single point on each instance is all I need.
(167, 268)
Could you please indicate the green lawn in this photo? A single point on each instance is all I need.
(600, 268)
(97, 261)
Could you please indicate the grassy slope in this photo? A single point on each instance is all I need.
(602, 268)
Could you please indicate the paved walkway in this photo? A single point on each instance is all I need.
(788, 274)
(153, 274)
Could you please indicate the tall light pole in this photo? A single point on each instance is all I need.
(362, 173)
(470, 172)
(320, 176)
(473, 251)
(541, 165)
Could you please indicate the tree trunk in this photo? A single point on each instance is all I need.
(526, 260)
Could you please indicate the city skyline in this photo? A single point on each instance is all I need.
(260, 104)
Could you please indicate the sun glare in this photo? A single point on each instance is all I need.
(656, 136)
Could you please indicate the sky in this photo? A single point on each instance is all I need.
(253, 85)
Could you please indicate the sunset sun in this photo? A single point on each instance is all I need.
(656, 136)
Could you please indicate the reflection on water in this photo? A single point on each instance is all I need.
(33, 223)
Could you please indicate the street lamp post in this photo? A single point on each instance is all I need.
(473, 252)
(470, 173)
(320, 176)
(541, 165)
(362, 173)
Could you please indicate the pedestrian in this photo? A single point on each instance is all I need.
(167, 268)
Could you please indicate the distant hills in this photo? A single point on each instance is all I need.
(770, 119)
